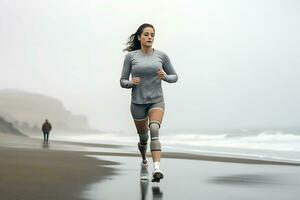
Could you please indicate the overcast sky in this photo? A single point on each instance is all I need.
(237, 60)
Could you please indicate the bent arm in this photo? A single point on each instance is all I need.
(171, 78)
(124, 81)
(171, 75)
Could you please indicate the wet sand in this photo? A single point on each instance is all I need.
(43, 174)
(31, 169)
(199, 180)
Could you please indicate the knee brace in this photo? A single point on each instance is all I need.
(143, 137)
(154, 131)
(142, 145)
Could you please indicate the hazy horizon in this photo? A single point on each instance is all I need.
(237, 61)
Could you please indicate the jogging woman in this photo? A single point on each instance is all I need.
(147, 67)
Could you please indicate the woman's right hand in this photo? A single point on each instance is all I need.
(136, 80)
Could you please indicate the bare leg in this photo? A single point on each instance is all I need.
(156, 156)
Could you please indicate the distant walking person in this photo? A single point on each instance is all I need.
(148, 67)
(46, 128)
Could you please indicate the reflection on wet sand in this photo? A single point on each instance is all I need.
(213, 178)
(157, 194)
(144, 184)
(45, 145)
(144, 188)
(245, 179)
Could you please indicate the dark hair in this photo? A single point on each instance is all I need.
(133, 41)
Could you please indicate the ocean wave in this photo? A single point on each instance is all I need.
(267, 140)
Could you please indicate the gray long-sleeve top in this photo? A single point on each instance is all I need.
(145, 66)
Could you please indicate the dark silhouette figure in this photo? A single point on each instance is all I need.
(46, 128)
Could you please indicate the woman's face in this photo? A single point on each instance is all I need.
(147, 37)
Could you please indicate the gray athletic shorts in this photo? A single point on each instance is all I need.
(140, 111)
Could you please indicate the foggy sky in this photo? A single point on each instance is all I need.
(237, 61)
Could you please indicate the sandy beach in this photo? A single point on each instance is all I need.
(28, 172)
(31, 169)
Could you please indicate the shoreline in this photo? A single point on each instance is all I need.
(64, 171)
(79, 147)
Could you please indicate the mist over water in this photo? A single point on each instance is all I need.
(237, 61)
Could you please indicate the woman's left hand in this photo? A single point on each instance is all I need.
(161, 74)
